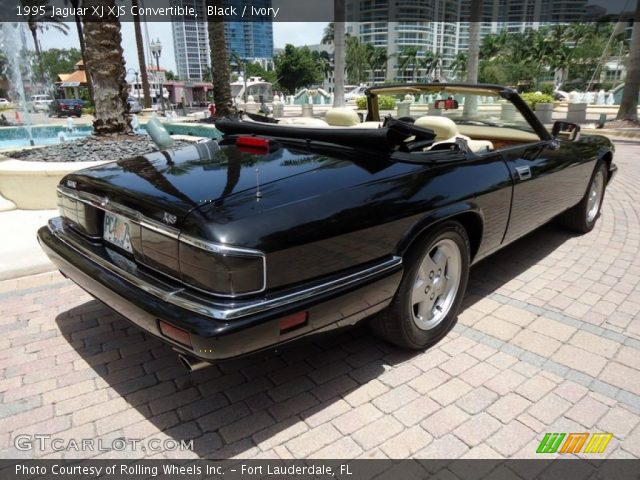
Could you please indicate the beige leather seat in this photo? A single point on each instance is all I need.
(342, 117)
(447, 131)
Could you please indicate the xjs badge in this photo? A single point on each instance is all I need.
(169, 218)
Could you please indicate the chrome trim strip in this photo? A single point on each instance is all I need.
(171, 232)
(181, 297)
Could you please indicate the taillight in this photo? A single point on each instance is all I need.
(253, 142)
(219, 272)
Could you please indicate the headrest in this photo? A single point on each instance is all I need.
(443, 127)
(342, 117)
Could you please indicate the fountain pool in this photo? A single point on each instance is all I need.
(17, 137)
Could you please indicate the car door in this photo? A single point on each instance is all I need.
(549, 177)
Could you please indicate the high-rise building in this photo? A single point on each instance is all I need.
(252, 41)
(442, 27)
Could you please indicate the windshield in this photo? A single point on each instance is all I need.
(482, 110)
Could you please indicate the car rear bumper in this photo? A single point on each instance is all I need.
(219, 329)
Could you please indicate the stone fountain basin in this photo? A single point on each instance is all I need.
(32, 185)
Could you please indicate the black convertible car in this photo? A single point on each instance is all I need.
(287, 228)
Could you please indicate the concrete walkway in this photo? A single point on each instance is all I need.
(20, 253)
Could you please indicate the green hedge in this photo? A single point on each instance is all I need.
(533, 98)
(385, 102)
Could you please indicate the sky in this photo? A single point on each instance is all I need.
(283, 33)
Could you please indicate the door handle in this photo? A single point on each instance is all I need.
(524, 173)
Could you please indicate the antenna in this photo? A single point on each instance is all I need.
(258, 192)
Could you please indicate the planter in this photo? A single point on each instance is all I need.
(577, 112)
(508, 112)
(32, 185)
(544, 112)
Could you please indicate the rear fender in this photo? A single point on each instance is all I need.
(466, 213)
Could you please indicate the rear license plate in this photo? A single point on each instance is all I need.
(117, 231)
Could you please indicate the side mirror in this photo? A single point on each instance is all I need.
(566, 131)
(448, 104)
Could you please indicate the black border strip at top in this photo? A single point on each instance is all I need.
(508, 11)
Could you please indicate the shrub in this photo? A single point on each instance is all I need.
(533, 98)
(90, 110)
(385, 102)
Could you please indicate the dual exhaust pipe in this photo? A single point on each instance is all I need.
(192, 363)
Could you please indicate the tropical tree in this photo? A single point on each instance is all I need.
(409, 61)
(328, 34)
(37, 21)
(459, 67)
(78, 19)
(105, 61)
(142, 64)
(431, 63)
(629, 104)
(296, 67)
(323, 62)
(357, 59)
(56, 61)
(219, 62)
(378, 58)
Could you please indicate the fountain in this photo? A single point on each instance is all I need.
(70, 127)
(62, 137)
(135, 123)
(11, 42)
(316, 96)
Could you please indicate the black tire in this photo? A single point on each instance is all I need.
(579, 219)
(398, 323)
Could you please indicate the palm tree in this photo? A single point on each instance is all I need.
(357, 60)
(105, 61)
(378, 58)
(431, 63)
(328, 34)
(323, 61)
(78, 19)
(142, 64)
(409, 60)
(629, 104)
(40, 22)
(494, 45)
(459, 67)
(219, 63)
(338, 52)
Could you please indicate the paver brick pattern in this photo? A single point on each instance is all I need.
(548, 340)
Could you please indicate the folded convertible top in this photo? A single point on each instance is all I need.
(394, 135)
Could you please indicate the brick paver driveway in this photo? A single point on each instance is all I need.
(549, 341)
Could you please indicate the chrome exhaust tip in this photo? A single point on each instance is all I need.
(192, 364)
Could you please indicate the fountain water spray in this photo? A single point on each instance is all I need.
(11, 43)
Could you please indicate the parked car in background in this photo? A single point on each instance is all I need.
(4, 103)
(134, 105)
(356, 93)
(284, 230)
(39, 103)
(62, 107)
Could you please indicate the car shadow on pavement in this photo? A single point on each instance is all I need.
(246, 406)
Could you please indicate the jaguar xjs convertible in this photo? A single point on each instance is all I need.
(287, 228)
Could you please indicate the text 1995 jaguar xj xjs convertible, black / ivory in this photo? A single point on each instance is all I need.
(287, 228)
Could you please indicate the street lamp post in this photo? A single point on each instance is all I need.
(137, 85)
(156, 51)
